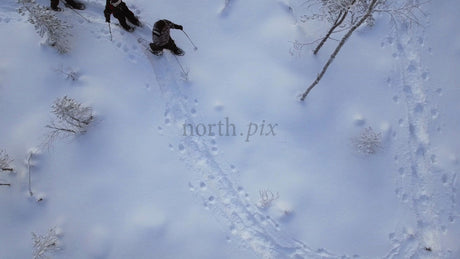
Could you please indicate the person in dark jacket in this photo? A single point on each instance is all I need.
(161, 38)
(69, 3)
(120, 11)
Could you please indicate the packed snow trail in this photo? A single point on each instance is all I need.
(423, 186)
(428, 190)
(215, 186)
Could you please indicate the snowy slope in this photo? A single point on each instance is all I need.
(135, 187)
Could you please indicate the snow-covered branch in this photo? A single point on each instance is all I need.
(360, 12)
(72, 118)
(46, 244)
(5, 161)
(48, 26)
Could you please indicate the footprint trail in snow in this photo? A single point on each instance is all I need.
(425, 188)
(214, 184)
(428, 190)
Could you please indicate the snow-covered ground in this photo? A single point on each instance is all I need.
(137, 186)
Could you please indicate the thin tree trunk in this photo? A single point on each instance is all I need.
(340, 18)
(337, 49)
(337, 23)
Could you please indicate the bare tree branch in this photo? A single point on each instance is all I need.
(72, 118)
(266, 198)
(339, 47)
(338, 22)
(46, 244)
(48, 26)
(5, 161)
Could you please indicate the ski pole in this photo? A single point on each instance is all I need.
(84, 18)
(195, 48)
(110, 31)
(181, 67)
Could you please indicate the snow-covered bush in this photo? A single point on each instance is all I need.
(368, 142)
(72, 118)
(5, 161)
(5, 164)
(70, 74)
(266, 198)
(46, 244)
(48, 26)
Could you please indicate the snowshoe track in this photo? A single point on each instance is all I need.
(422, 185)
(426, 188)
(214, 184)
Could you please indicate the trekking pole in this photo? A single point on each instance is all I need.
(195, 48)
(110, 31)
(84, 18)
(181, 67)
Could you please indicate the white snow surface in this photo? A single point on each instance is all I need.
(137, 186)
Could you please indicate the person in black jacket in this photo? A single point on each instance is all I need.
(162, 39)
(69, 3)
(120, 11)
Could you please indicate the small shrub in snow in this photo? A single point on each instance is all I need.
(48, 26)
(266, 198)
(70, 74)
(5, 161)
(368, 142)
(46, 244)
(5, 164)
(72, 118)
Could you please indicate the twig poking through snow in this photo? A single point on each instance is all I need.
(29, 163)
(5, 161)
(266, 198)
(70, 74)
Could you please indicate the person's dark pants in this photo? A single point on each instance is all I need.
(131, 17)
(171, 45)
(126, 14)
(54, 4)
